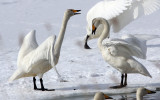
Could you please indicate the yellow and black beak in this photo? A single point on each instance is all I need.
(86, 45)
(76, 11)
(107, 97)
(93, 29)
(150, 92)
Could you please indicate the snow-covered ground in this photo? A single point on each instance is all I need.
(85, 70)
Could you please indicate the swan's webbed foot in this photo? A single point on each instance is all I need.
(122, 84)
(44, 89)
(118, 86)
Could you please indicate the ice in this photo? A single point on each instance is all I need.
(85, 70)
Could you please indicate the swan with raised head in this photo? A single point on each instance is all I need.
(101, 96)
(142, 92)
(119, 52)
(119, 13)
(34, 60)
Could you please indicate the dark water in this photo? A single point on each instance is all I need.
(131, 96)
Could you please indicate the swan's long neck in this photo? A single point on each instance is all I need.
(139, 98)
(139, 94)
(104, 34)
(59, 40)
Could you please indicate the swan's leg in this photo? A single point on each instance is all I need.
(121, 84)
(122, 77)
(125, 81)
(42, 86)
(34, 83)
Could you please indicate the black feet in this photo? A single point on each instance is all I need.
(122, 84)
(118, 86)
(42, 87)
(34, 83)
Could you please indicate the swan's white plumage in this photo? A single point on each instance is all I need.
(107, 9)
(34, 60)
(135, 47)
(142, 92)
(99, 96)
(120, 13)
(119, 52)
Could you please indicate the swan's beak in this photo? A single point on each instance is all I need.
(93, 29)
(107, 97)
(150, 92)
(76, 11)
(86, 45)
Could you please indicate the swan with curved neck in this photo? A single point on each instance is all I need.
(118, 52)
(119, 13)
(34, 60)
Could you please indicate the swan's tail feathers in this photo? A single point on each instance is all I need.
(145, 72)
(17, 74)
(138, 67)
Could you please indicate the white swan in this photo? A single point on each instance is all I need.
(142, 92)
(101, 96)
(119, 13)
(118, 52)
(139, 94)
(34, 60)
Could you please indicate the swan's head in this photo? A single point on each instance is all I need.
(143, 91)
(72, 12)
(101, 96)
(92, 33)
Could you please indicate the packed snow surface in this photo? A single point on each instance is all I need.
(85, 70)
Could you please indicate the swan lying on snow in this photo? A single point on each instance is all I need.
(139, 94)
(119, 13)
(119, 52)
(34, 60)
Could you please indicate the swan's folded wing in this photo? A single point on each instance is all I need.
(137, 42)
(124, 48)
(44, 52)
(107, 9)
(136, 10)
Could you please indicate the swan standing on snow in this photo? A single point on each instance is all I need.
(119, 13)
(139, 94)
(34, 60)
(118, 52)
(101, 96)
